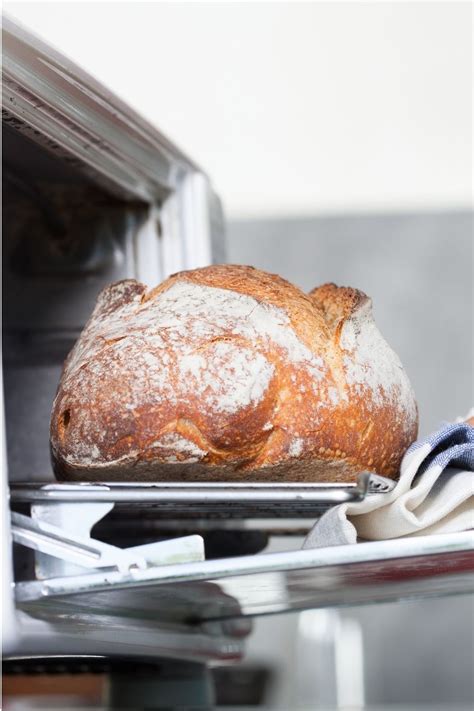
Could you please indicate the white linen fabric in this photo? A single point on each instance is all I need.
(434, 494)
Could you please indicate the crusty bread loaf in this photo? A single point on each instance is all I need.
(228, 373)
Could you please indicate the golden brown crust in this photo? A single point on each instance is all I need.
(263, 287)
(230, 373)
(337, 303)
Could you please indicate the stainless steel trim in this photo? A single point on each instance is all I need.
(57, 104)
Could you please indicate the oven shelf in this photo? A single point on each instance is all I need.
(206, 501)
(203, 609)
(364, 573)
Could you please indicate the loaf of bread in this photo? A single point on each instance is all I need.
(228, 373)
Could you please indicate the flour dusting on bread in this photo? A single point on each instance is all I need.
(371, 363)
(235, 370)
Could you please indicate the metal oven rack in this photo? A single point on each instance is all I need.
(202, 609)
(202, 501)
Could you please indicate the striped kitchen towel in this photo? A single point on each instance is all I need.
(434, 494)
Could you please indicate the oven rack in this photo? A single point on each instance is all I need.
(225, 592)
(203, 501)
(202, 609)
(378, 567)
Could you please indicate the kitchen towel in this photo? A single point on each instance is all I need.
(434, 494)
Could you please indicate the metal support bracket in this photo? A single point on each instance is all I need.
(59, 533)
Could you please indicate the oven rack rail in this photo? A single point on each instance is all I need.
(228, 590)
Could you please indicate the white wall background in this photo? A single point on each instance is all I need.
(293, 108)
